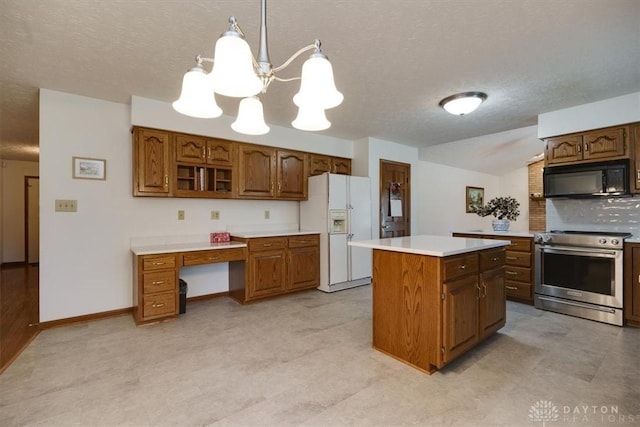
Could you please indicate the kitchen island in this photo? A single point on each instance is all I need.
(435, 297)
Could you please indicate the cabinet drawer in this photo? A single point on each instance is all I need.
(216, 255)
(491, 259)
(267, 243)
(520, 259)
(161, 304)
(303, 241)
(520, 274)
(158, 282)
(459, 266)
(519, 244)
(158, 262)
(517, 289)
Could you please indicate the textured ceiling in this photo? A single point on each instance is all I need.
(393, 60)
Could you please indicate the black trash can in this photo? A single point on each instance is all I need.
(183, 296)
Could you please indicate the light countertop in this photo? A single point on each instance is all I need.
(270, 233)
(183, 247)
(632, 239)
(439, 246)
(498, 233)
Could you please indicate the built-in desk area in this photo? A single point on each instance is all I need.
(261, 265)
(156, 269)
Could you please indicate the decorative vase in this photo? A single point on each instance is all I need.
(500, 224)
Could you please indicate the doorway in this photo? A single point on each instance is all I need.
(32, 219)
(395, 200)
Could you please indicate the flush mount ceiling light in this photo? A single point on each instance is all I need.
(236, 73)
(463, 103)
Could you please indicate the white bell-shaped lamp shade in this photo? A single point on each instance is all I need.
(317, 87)
(250, 120)
(196, 98)
(463, 103)
(311, 119)
(233, 73)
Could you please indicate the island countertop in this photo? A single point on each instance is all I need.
(431, 245)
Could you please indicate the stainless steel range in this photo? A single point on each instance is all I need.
(580, 273)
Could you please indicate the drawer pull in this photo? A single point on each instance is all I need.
(512, 258)
(213, 258)
(158, 263)
(495, 258)
(266, 245)
(462, 267)
(512, 273)
(157, 282)
(511, 288)
(154, 305)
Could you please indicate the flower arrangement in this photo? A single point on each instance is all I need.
(501, 208)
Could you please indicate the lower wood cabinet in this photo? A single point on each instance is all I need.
(428, 310)
(156, 289)
(276, 265)
(632, 284)
(519, 265)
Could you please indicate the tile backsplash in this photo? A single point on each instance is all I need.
(613, 214)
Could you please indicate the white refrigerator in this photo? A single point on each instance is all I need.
(339, 207)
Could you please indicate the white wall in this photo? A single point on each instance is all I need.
(13, 214)
(516, 185)
(86, 264)
(441, 198)
(610, 112)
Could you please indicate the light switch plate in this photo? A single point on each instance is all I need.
(267, 214)
(215, 214)
(66, 205)
(181, 214)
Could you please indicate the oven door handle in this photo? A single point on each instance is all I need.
(578, 251)
(577, 304)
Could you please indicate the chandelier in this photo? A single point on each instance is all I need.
(236, 73)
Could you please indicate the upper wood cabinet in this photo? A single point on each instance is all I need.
(602, 144)
(256, 171)
(266, 173)
(151, 162)
(182, 165)
(319, 164)
(291, 173)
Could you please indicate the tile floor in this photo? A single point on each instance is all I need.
(306, 359)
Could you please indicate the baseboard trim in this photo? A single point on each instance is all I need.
(116, 313)
(85, 318)
(18, 353)
(207, 297)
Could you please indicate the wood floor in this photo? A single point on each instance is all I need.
(18, 310)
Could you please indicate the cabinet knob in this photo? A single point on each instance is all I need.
(495, 258)
(462, 267)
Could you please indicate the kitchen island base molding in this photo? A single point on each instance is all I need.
(429, 310)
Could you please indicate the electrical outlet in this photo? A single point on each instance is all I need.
(215, 214)
(180, 214)
(66, 205)
(267, 214)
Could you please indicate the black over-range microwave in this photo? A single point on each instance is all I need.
(603, 179)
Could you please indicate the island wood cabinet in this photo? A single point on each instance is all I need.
(265, 172)
(151, 162)
(632, 284)
(597, 145)
(204, 167)
(276, 265)
(156, 284)
(319, 164)
(429, 310)
(519, 265)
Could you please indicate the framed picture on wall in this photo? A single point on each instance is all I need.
(85, 168)
(474, 199)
